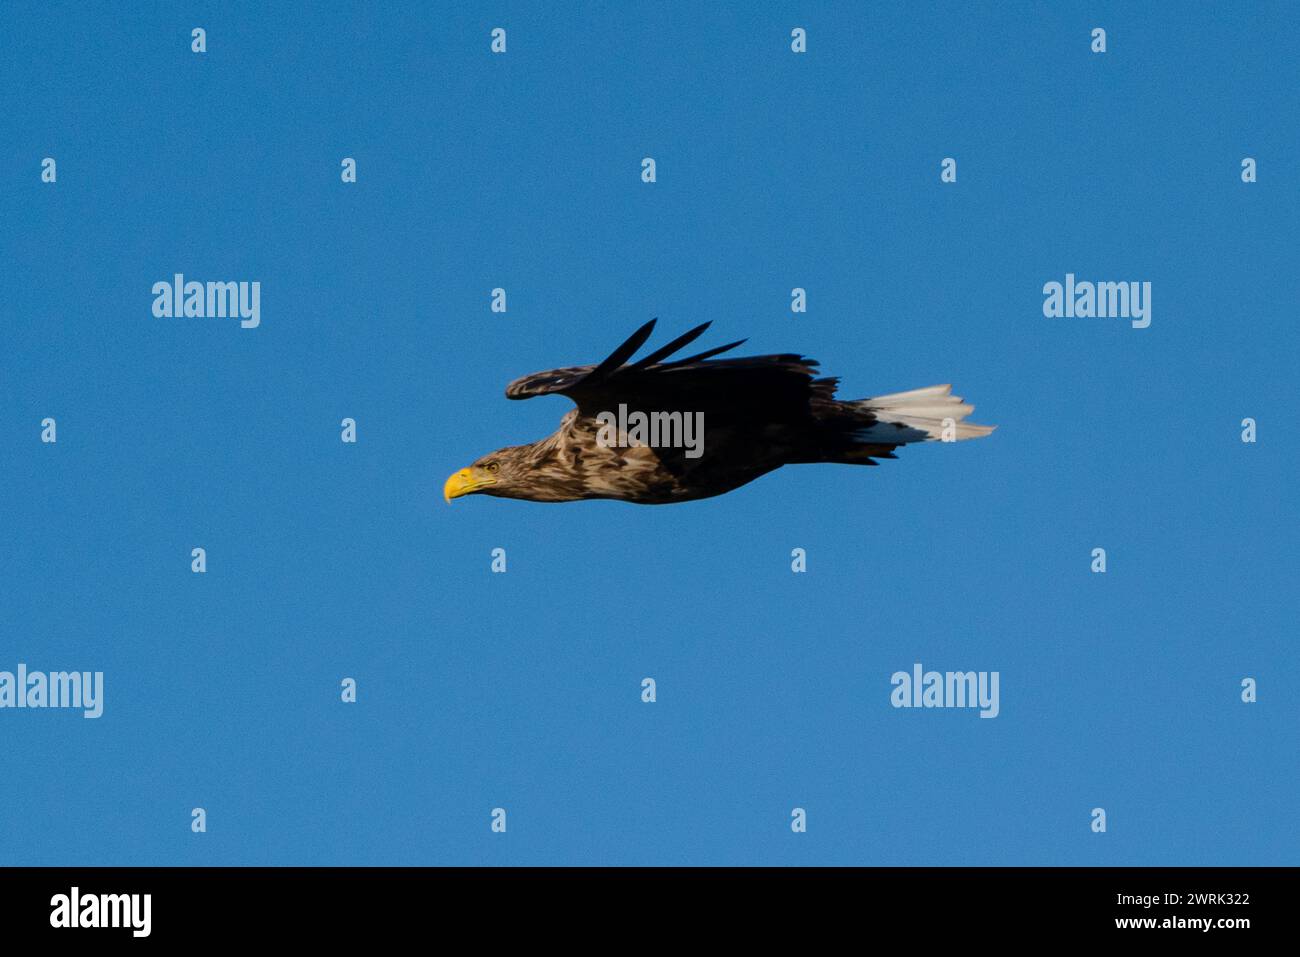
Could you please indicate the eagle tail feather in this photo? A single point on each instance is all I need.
(918, 415)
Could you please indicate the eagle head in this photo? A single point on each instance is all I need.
(498, 473)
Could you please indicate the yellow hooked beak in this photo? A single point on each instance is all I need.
(466, 481)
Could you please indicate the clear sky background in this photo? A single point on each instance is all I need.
(775, 170)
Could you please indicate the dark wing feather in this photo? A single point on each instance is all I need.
(562, 381)
(682, 340)
(756, 406)
(624, 352)
(693, 379)
(706, 354)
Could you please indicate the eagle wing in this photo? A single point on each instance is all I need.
(760, 411)
(772, 388)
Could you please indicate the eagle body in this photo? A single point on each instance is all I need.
(757, 414)
(572, 464)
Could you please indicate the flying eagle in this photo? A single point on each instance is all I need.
(757, 414)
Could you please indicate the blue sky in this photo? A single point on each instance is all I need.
(522, 171)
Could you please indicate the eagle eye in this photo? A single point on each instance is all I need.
(493, 467)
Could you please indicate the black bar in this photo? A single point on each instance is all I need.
(336, 905)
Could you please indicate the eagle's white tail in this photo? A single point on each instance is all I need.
(921, 415)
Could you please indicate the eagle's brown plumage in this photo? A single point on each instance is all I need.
(759, 413)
